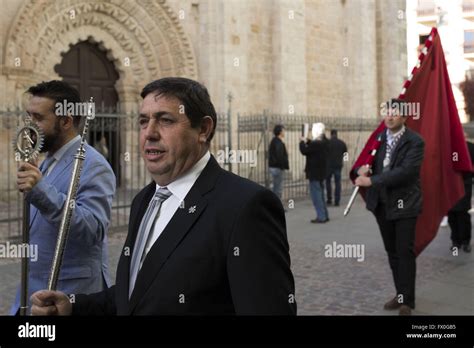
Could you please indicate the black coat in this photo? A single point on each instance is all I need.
(465, 203)
(316, 153)
(336, 150)
(400, 184)
(277, 155)
(229, 256)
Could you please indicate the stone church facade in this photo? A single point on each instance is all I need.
(337, 58)
(308, 56)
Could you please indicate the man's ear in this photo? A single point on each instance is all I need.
(207, 125)
(67, 122)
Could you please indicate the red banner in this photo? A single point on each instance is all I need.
(446, 154)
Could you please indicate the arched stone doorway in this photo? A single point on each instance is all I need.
(144, 39)
(86, 67)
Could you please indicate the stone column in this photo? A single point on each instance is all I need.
(289, 57)
(391, 48)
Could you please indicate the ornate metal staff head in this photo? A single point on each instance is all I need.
(28, 141)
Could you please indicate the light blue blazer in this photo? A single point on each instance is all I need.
(84, 266)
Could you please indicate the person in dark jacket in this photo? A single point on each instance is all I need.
(336, 150)
(316, 153)
(394, 196)
(459, 218)
(278, 159)
(201, 240)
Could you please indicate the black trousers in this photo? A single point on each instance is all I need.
(399, 241)
(460, 224)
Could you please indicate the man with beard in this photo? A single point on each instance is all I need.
(84, 267)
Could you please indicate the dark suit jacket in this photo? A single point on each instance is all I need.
(277, 155)
(402, 182)
(336, 150)
(229, 256)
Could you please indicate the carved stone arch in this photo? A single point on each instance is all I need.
(127, 85)
(148, 33)
(180, 45)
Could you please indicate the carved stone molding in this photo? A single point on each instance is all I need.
(143, 38)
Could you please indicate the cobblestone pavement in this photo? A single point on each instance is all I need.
(342, 286)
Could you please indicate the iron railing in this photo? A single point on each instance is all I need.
(116, 136)
(255, 132)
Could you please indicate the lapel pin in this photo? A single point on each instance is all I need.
(192, 210)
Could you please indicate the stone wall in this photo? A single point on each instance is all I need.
(320, 57)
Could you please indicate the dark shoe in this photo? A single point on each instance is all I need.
(317, 221)
(336, 204)
(392, 304)
(404, 310)
(328, 202)
(466, 248)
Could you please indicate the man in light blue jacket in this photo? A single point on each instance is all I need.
(84, 267)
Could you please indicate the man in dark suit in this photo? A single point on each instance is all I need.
(201, 240)
(394, 196)
(336, 150)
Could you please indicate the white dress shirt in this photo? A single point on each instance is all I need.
(179, 189)
(391, 136)
(390, 143)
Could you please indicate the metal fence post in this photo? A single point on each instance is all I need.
(265, 148)
(238, 132)
(229, 125)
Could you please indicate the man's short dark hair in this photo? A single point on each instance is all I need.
(193, 95)
(278, 129)
(59, 91)
(334, 132)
